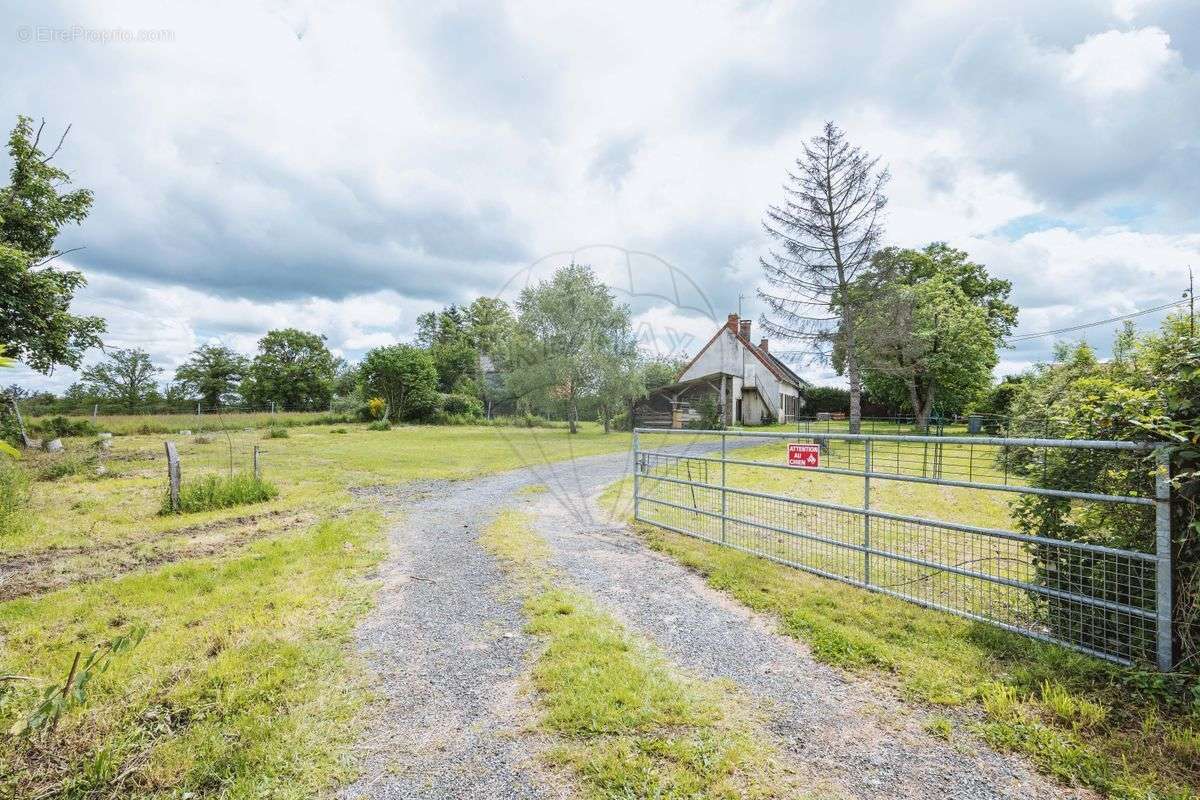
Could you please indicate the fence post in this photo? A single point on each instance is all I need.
(866, 509)
(724, 504)
(637, 469)
(174, 475)
(256, 473)
(1162, 551)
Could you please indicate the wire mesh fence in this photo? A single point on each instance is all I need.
(918, 518)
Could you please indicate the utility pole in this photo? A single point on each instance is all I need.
(1191, 293)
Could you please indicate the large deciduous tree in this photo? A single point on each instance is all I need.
(293, 369)
(909, 266)
(126, 377)
(212, 373)
(36, 323)
(925, 342)
(405, 377)
(906, 289)
(826, 232)
(574, 342)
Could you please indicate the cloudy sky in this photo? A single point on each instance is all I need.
(343, 167)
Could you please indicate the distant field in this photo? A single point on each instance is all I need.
(146, 424)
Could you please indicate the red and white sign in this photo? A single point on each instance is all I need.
(807, 456)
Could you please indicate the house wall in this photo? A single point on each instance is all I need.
(728, 355)
(750, 381)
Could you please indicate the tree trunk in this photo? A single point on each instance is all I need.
(921, 398)
(914, 399)
(927, 406)
(573, 416)
(853, 372)
(855, 376)
(604, 416)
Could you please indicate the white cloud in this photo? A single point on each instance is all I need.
(1117, 62)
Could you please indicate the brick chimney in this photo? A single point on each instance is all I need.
(745, 329)
(763, 346)
(732, 323)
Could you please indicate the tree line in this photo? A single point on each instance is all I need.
(566, 345)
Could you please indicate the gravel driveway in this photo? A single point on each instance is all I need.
(446, 643)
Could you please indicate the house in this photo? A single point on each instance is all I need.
(744, 382)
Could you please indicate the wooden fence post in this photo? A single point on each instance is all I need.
(256, 473)
(174, 474)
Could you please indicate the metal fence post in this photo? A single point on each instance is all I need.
(866, 509)
(724, 505)
(173, 475)
(637, 468)
(1162, 552)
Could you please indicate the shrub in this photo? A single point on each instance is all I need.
(14, 497)
(57, 427)
(217, 491)
(376, 407)
(442, 418)
(710, 414)
(461, 405)
(380, 425)
(405, 376)
(277, 432)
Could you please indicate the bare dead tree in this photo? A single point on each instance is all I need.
(827, 229)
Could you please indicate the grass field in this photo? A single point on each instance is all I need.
(245, 684)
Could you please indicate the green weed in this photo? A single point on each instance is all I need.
(941, 727)
(217, 491)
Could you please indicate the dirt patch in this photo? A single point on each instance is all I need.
(49, 570)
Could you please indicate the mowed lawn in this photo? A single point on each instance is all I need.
(246, 683)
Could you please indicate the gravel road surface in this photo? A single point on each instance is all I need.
(446, 643)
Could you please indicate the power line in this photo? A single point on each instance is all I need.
(1025, 336)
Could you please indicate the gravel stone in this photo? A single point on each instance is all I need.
(446, 641)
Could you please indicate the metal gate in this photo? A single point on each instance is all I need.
(1109, 602)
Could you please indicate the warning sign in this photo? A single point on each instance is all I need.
(807, 456)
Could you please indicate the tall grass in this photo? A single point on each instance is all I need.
(14, 497)
(218, 491)
(148, 424)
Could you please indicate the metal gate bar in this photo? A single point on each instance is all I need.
(1109, 602)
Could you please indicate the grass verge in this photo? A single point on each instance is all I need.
(626, 723)
(243, 687)
(1125, 733)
